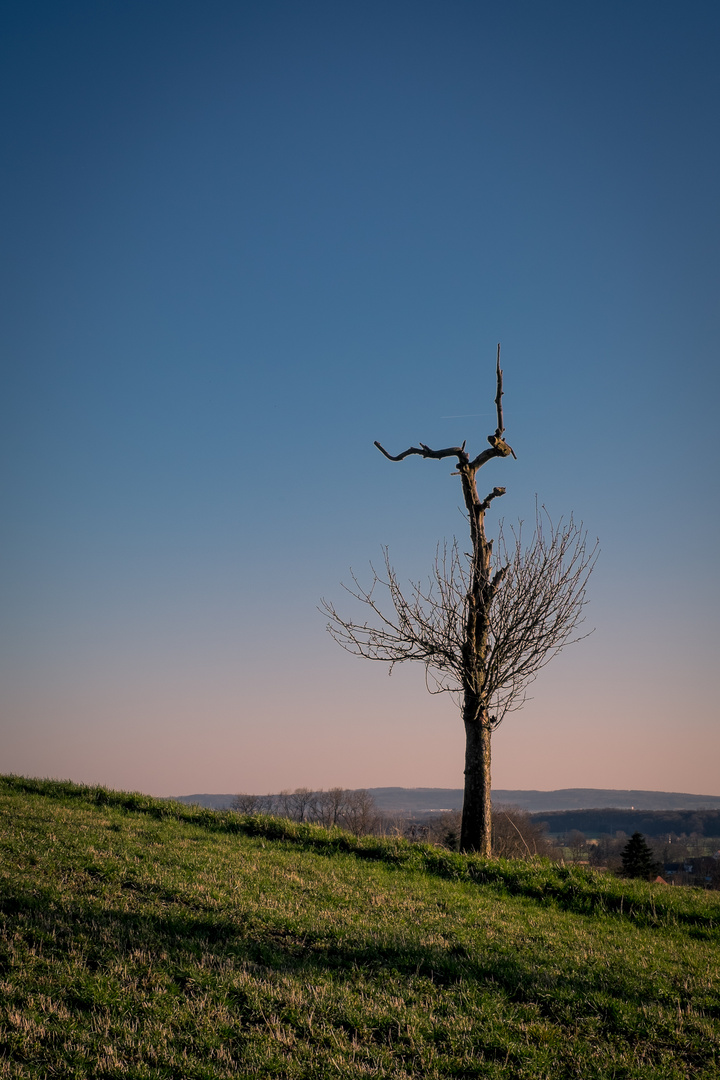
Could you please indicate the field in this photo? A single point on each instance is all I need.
(146, 939)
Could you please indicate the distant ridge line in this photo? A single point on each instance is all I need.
(424, 800)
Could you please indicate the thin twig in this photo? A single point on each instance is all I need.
(517, 831)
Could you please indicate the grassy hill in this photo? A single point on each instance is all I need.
(147, 939)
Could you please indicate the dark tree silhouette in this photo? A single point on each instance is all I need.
(638, 860)
(487, 621)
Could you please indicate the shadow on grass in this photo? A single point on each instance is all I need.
(178, 938)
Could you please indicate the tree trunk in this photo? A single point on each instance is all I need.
(476, 831)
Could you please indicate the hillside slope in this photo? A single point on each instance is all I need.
(144, 939)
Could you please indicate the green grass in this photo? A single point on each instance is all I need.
(147, 939)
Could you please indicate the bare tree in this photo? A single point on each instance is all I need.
(298, 805)
(577, 842)
(330, 806)
(514, 834)
(245, 803)
(485, 623)
(360, 815)
(348, 808)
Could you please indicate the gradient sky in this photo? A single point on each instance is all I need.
(241, 241)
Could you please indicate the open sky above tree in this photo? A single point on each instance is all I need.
(242, 241)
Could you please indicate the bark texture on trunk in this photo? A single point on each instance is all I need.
(476, 831)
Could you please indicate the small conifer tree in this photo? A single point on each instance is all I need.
(637, 858)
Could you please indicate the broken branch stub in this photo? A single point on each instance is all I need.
(499, 447)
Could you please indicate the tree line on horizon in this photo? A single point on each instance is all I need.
(353, 809)
(515, 834)
(672, 825)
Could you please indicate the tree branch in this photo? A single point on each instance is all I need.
(498, 399)
(494, 494)
(536, 597)
(496, 440)
(426, 452)
(537, 608)
(499, 447)
(425, 625)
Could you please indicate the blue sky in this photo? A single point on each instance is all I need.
(240, 242)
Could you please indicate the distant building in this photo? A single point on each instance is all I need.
(702, 872)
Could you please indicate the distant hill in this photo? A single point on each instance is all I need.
(398, 800)
(213, 802)
(425, 800)
(609, 821)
